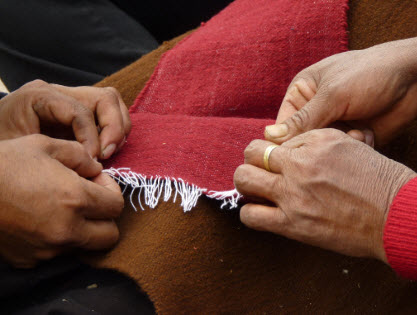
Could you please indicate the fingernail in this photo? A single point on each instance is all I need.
(277, 131)
(95, 159)
(108, 151)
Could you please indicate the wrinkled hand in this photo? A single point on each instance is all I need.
(371, 90)
(325, 189)
(65, 112)
(47, 207)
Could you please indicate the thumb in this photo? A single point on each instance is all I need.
(317, 113)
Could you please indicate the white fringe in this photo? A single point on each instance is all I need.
(150, 190)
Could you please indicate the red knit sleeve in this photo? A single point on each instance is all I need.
(400, 232)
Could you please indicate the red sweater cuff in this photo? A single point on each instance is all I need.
(400, 232)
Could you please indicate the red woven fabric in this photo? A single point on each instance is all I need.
(400, 233)
(216, 90)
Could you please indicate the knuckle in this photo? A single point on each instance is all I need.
(301, 119)
(74, 198)
(240, 176)
(36, 84)
(42, 141)
(79, 109)
(300, 77)
(79, 148)
(112, 94)
(251, 149)
(80, 198)
(112, 90)
(327, 135)
(247, 216)
(59, 234)
(250, 218)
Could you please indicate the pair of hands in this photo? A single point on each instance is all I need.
(325, 187)
(53, 195)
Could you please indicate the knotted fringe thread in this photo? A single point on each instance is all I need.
(150, 190)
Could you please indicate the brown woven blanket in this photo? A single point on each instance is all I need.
(207, 262)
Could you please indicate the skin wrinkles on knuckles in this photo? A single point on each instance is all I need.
(310, 188)
(53, 225)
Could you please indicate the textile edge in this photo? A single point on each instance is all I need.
(150, 190)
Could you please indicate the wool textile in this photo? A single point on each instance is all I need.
(217, 89)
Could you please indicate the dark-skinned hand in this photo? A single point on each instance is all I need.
(53, 198)
(324, 188)
(95, 117)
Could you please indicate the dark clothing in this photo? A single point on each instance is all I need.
(65, 286)
(67, 42)
(80, 42)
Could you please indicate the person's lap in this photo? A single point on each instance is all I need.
(66, 286)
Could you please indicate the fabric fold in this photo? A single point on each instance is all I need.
(217, 89)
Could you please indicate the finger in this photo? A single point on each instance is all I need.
(255, 154)
(317, 113)
(263, 218)
(357, 135)
(298, 94)
(285, 111)
(55, 107)
(106, 181)
(252, 181)
(127, 124)
(73, 155)
(103, 201)
(97, 234)
(106, 104)
(110, 118)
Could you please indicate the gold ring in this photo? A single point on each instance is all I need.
(267, 153)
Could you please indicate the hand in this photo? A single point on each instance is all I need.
(325, 189)
(373, 90)
(39, 107)
(47, 207)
